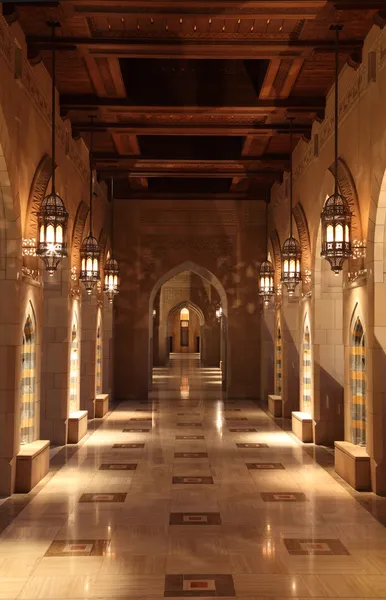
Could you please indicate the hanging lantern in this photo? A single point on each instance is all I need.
(291, 256)
(52, 228)
(89, 261)
(336, 214)
(112, 279)
(336, 232)
(219, 312)
(52, 215)
(89, 250)
(111, 270)
(266, 290)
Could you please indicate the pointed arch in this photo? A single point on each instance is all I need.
(98, 354)
(349, 191)
(28, 388)
(275, 243)
(278, 356)
(191, 306)
(74, 389)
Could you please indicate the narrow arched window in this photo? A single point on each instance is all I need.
(74, 366)
(278, 361)
(358, 384)
(98, 358)
(28, 382)
(184, 327)
(306, 370)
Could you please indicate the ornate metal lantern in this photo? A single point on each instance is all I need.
(111, 270)
(112, 279)
(219, 312)
(291, 254)
(52, 216)
(89, 261)
(52, 228)
(336, 214)
(89, 250)
(266, 289)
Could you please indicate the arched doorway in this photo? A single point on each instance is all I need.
(206, 275)
(185, 328)
(28, 380)
(358, 384)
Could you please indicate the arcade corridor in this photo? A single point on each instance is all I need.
(189, 496)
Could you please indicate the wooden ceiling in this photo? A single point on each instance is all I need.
(193, 97)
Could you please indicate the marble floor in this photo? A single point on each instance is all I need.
(188, 495)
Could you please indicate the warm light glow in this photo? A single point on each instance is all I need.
(41, 238)
(184, 314)
(286, 266)
(347, 233)
(50, 234)
(59, 234)
(330, 233)
(339, 233)
(89, 264)
(95, 264)
(292, 266)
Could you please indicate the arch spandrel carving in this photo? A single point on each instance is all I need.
(304, 238)
(77, 234)
(37, 192)
(349, 191)
(274, 237)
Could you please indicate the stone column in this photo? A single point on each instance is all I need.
(55, 357)
(107, 347)
(89, 310)
(290, 354)
(267, 352)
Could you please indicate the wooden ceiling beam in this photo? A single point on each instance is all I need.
(194, 49)
(253, 9)
(262, 106)
(192, 129)
(268, 175)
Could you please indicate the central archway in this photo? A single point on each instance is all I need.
(214, 281)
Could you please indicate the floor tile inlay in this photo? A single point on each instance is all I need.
(101, 497)
(118, 467)
(195, 518)
(264, 466)
(190, 455)
(64, 548)
(129, 446)
(283, 497)
(190, 479)
(315, 547)
(199, 585)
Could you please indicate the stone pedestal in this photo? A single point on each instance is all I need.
(32, 464)
(352, 463)
(101, 405)
(275, 405)
(77, 426)
(302, 426)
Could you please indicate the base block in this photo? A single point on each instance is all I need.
(101, 405)
(275, 405)
(32, 464)
(77, 426)
(302, 426)
(352, 463)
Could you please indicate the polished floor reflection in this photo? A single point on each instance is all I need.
(188, 495)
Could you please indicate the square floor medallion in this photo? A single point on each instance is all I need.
(236, 418)
(129, 446)
(194, 480)
(188, 414)
(146, 410)
(198, 585)
(190, 455)
(190, 437)
(141, 419)
(65, 548)
(303, 547)
(140, 430)
(283, 497)
(232, 409)
(252, 445)
(118, 467)
(189, 424)
(264, 466)
(242, 430)
(120, 497)
(195, 518)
